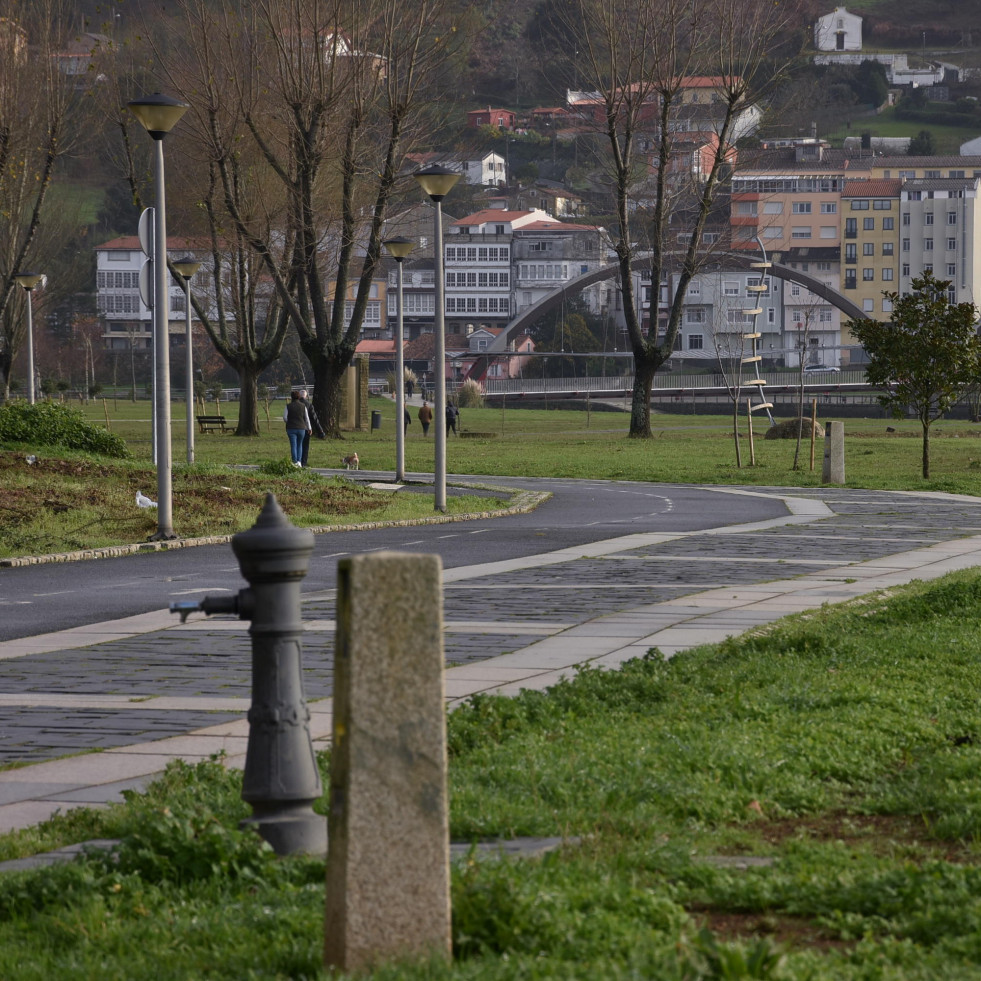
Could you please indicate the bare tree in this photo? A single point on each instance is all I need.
(303, 110)
(639, 55)
(36, 102)
(730, 352)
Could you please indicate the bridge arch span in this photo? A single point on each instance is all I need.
(737, 260)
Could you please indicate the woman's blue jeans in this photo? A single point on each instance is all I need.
(296, 443)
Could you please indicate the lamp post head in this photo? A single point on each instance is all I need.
(399, 247)
(158, 113)
(28, 279)
(186, 266)
(437, 181)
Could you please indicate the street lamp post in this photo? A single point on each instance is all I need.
(399, 248)
(186, 268)
(158, 114)
(437, 182)
(29, 280)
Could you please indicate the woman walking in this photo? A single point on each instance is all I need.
(298, 426)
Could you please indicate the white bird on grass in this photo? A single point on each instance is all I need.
(142, 501)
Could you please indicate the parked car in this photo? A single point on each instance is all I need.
(819, 367)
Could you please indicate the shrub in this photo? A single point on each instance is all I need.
(52, 424)
(470, 395)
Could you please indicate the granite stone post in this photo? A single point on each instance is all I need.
(833, 471)
(388, 878)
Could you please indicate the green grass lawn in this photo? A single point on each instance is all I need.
(685, 448)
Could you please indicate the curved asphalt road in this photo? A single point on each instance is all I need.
(57, 596)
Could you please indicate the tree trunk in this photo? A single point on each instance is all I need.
(735, 433)
(926, 451)
(248, 406)
(645, 367)
(328, 380)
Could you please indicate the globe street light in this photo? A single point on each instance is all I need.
(29, 281)
(186, 267)
(437, 182)
(158, 115)
(398, 249)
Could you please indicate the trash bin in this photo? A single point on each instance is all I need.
(376, 419)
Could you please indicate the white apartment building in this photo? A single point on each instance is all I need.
(939, 226)
(127, 321)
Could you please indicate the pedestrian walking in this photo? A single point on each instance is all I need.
(425, 417)
(297, 421)
(314, 426)
(409, 387)
(408, 420)
(452, 418)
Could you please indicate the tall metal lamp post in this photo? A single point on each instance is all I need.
(186, 268)
(398, 249)
(158, 115)
(29, 281)
(437, 182)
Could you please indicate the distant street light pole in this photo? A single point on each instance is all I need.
(437, 182)
(29, 281)
(158, 115)
(399, 248)
(186, 268)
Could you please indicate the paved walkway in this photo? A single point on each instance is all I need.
(146, 690)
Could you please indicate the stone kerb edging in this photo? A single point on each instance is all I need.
(522, 502)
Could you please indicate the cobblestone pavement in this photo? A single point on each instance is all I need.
(206, 662)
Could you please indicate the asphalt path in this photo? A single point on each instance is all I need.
(58, 596)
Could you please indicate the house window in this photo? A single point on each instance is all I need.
(905, 269)
(851, 227)
(694, 288)
(860, 205)
(928, 245)
(800, 231)
(801, 207)
(498, 229)
(744, 208)
(951, 269)
(773, 208)
(886, 305)
(868, 248)
(829, 207)
(887, 275)
(952, 245)
(868, 224)
(928, 218)
(849, 279)
(824, 315)
(695, 315)
(888, 224)
(730, 288)
(868, 275)
(824, 267)
(906, 245)
(906, 218)
(694, 342)
(851, 252)
(951, 217)
(868, 306)
(887, 248)
(881, 205)
(829, 231)
(795, 289)
(931, 175)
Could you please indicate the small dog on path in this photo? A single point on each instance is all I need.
(351, 462)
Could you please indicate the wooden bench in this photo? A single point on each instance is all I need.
(212, 424)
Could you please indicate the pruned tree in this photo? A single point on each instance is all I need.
(730, 351)
(925, 355)
(639, 56)
(304, 110)
(36, 104)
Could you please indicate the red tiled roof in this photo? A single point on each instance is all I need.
(880, 187)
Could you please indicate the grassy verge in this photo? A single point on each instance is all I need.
(66, 502)
(799, 803)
